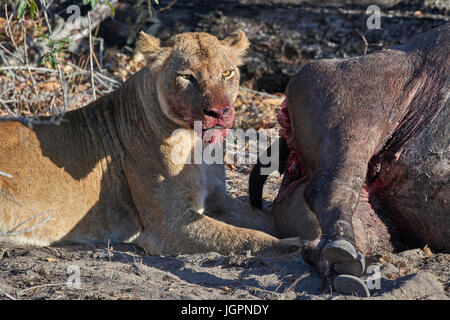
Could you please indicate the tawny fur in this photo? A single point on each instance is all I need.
(106, 174)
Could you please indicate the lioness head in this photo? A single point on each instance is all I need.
(197, 76)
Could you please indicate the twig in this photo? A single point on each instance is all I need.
(101, 53)
(9, 53)
(6, 175)
(26, 58)
(46, 16)
(168, 6)
(90, 57)
(97, 74)
(292, 286)
(13, 76)
(13, 231)
(260, 93)
(149, 8)
(7, 108)
(83, 64)
(63, 86)
(52, 106)
(55, 120)
(366, 44)
(105, 77)
(60, 71)
(42, 286)
(10, 198)
(6, 294)
(101, 81)
(78, 30)
(9, 33)
(38, 69)
(96, 60)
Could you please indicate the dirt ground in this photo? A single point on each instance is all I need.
(125, 272)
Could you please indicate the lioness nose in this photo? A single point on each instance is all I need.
(216, 112)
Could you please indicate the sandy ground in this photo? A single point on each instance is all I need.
(126, 272)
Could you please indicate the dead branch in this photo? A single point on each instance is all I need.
(24, 91)
(114, 83)
(4, 104)
(29, 121)
(37, 69)
(9, 34)
(10, 54)
(79, 29)
(26, 58)
(90, 57)
(101, 54)
(366, 44)
(60, 71)
(168, 6)
(10, 199)
(6, 175)
(63, 87)
(15, 231)
(41, 286)
(261, 93)
(6, 294)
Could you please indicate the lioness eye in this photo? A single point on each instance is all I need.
(185, 76)
(227, 74)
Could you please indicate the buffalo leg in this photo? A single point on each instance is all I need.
(333, 194)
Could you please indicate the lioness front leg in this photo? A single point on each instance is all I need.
(171, 211)
(221, 206)
(193, 232)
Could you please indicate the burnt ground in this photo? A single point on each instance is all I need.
(285, 34)
(284, 37)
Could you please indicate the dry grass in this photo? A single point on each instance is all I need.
(30, 90)
(18, 98)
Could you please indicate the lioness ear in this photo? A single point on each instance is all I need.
(147, 44)
(154, 54)
(238, 44)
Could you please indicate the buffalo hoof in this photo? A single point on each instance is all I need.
(351, 285)
(355, 267)
(343, 258)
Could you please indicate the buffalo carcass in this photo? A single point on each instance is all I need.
(369, 167)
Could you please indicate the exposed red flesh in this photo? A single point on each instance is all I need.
(214, 135)
(294, 167)
(371, 233)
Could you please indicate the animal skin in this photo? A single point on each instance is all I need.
(369, 140)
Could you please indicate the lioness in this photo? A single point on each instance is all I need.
(106, 172)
